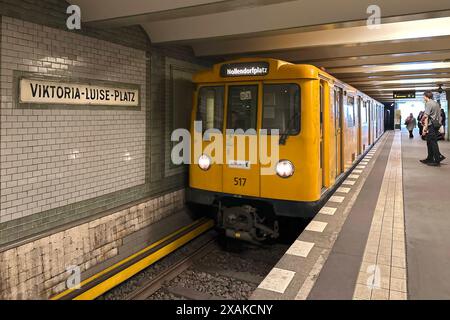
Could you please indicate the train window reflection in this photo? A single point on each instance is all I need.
(242, 107)
(210, 107)
(281, 108)
(364, 114)
(350, 112)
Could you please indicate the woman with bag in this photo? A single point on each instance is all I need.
(419, 122)
(442, 128)
(410, 123)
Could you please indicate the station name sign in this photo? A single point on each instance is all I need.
(38, 91)
(404, 94)
(244, 69)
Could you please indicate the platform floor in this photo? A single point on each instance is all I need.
(385, 234)
(426, 193)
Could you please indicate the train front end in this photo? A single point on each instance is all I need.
(255, 145)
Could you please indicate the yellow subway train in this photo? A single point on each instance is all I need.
(324, 126)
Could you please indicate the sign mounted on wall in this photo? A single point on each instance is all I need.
(39, 91)
(244, 69)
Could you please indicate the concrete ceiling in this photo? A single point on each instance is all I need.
(409, 50)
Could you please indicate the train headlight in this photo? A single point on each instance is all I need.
(204, 162)
(284, 168)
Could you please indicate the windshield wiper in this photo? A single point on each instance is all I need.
(285, 134)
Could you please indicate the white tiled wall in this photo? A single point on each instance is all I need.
(54, 157)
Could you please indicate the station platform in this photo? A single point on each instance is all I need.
(383, 235)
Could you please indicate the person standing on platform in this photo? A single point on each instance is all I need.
(431, 126)
(419, 122)
(410, 123)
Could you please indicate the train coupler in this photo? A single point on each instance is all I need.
(244, 223)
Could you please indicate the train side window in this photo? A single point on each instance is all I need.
(210, 107)
(364, 113)
(242, 107)
(281, 108)
(337, 106)
(350, 112)
(367, 112)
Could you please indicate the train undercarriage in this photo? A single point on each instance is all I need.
(250, 219)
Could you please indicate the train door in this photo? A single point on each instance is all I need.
(338, 106)
(241, 172)
(321, 161)
(375, 117)
(369, 106)
(359, 133)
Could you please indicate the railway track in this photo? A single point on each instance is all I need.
(153, 285)
(189, 264)
(109, 278)
(210, 273)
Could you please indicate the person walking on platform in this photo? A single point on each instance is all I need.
(410, 123)
(431, 127)
(419, 123)
(443, 119)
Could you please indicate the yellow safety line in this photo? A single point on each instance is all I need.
(209, 223)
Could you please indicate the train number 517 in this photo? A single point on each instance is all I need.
(240, 181)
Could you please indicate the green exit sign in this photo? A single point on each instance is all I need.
(404, 94)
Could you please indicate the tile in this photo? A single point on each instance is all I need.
(385, 235)
(360, 167)
(362, 292)
(353, 176)
(384, 259)
(385, 243)
(399, 273)
(384, 283)
(398, 245)
(380, 294)
(384, 271)
(395, 295)
(356, 171)
(300, 248)
(398, 237)
(337, 199)
(398, 262)
(328, 211)
(349, 182)
(372, 249)
(385, 255)
(372, 243)
(277, 280)
(398, 252)
(398, 284)
(316, 226)
(343, 190)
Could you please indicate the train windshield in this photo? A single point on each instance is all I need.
(281, 108)
(242, 107)
(210, 107)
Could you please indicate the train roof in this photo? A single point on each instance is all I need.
(246, 69)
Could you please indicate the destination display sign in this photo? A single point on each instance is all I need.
(244, 69)
(404, 94)
(52, 92)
